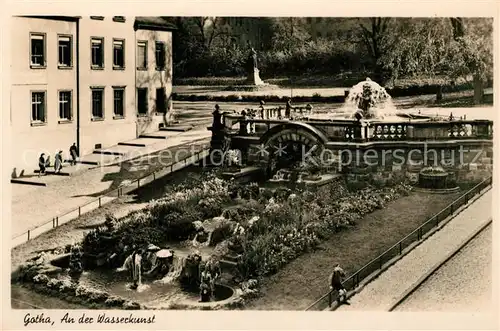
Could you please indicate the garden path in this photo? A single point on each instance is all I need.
(454, 288)
(380, 294)
(36, 205)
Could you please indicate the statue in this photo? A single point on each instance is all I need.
(253, 59)
(253, 71)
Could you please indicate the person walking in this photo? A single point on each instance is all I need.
(73, 151)
(42, 164)
(336, 278)
(58, 160)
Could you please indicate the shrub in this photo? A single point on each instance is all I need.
(287, 229)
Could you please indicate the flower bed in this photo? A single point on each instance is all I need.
(265, 229)
(297, 223)
(289, 222)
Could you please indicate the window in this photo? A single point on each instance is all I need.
(160, 100)
(38, 107)
(99, 18)
(65, 50)
(119, 18)
(142, 101)
(118, 54)
(37, 50)
(142, 55)
(119, 102)
(65, 105)
(160, 55)
(97, 104)
(97, 53)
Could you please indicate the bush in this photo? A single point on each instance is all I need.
(287, 229)
(168, 219)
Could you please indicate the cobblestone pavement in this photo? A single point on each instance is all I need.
(381, 293)
(464, 283)
(36, 205)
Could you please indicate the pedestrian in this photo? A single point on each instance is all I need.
(42, 163)
(336, 283)
(288, 109)
(58, 160)
(73, 151)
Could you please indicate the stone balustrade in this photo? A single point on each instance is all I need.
(364, 131)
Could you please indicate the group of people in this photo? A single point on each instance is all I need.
(44, 160)
(209, 273)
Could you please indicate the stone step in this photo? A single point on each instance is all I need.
(52, 172)
(152, 136)
(177, 128)
(100, 151)
(132, 144)
(27, 182)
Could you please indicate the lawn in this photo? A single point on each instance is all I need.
(305, 279)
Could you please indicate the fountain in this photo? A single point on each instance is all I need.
(366, 101)
(370, 100)
(436, 180)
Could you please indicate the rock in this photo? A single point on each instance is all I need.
(253, 220)
(198, 225)
(252, 283)
(202, 236)
(131, 305)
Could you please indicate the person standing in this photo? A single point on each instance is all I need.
(73, 151)
(288, 109)
(336, 278)
(58, 160)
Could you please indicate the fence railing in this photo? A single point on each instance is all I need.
(377, 263)
(109, 196)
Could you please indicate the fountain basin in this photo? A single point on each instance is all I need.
(436, 180)
(105, 289)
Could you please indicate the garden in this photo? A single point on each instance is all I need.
(261, 229)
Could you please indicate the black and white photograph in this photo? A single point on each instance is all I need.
(248, 163)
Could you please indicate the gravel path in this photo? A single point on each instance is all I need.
(464, 283)
(380, 294)
(36, 205)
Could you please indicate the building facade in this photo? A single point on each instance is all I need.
(80, 80)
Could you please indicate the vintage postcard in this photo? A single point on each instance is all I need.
(250, 168)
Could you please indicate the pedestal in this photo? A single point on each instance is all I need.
(254, 78)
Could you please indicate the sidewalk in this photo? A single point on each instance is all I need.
(381, 293)
(36, 205)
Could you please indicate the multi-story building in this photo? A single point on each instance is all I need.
(94, 81)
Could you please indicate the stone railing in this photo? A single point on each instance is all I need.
(279, 112)
(364, 131)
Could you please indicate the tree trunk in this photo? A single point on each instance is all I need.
(478, 90)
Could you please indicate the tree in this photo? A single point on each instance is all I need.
(373, 33)
(456, 47)
(289, 33)
(416, 46)
(471, 52)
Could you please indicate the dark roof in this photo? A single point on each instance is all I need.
(153, 23)
(57, 18)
